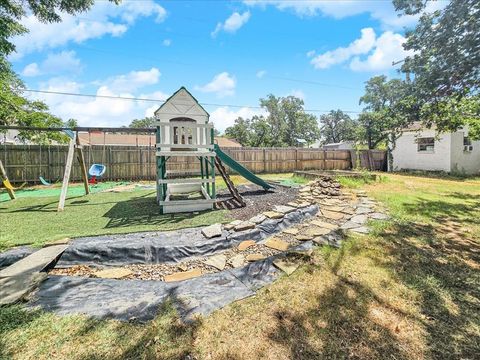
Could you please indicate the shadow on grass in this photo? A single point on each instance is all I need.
(340, 324)
(12, 318)
(439, 210)
(141, 210)
(165, 337)
(439, 262)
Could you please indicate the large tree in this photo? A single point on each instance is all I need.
(336, 126)
(445, 64)
(385, 113)
(240, 131)
(287, 124)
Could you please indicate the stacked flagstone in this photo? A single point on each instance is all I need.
(321, 188)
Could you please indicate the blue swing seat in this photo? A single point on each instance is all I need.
(44, 182)
(97, 170)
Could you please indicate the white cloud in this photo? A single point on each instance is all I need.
(31, 70)
(383, 11)
(297, 93)
(62, 61)
(105, 18)
(380, 52)
(261, 73)
(224, 116)
(222, 84)
(103, 111)
(167, 42)
(133, 80)
(360, 46)
(388, 48)
(54, 63)
(311, 53)
(233, 23)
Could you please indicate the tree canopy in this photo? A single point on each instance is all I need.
(445, 64)
(146, 122)
(287, 124)
(47, 11)
(386, 110)
(15, 108)
(336, 126)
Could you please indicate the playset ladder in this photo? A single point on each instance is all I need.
(231, 187)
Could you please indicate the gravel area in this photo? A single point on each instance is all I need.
(158, 271)
(259, 200)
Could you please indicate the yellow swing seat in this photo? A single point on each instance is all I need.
(8, 185)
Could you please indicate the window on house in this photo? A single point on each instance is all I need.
(467, 144)
(426, 144)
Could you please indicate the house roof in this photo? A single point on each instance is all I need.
(175, 93)
(97, 138)
(226, 142)
(417, 126)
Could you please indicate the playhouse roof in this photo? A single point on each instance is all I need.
(171, 98)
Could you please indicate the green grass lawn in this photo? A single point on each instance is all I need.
(33, 218)
(409, 290)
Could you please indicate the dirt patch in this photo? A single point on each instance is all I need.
(258, 200)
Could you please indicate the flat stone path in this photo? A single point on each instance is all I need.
(140, 299)
(20, 278)
(34, 262)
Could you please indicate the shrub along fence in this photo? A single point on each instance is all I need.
(25, 163)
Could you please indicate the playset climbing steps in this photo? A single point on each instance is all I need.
(242, 171)
(231, 187)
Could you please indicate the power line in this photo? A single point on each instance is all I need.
(310, 82)
(159, 100)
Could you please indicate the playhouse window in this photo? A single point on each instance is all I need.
(426, 144)
(186, 137)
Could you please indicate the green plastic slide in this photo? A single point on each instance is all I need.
(232, 164)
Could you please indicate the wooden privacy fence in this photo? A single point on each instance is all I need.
(25, 163)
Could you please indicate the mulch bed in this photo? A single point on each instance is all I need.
(258, 200)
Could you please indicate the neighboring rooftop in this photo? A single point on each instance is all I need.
(98, 138)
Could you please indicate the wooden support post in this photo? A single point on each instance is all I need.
(6, 182)
(212, 164)
(205, 159)
(66, 175)
(83, 168)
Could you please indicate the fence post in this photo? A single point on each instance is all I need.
(353, 159)
(110, 162)
(141, 163)
(264, 160)
(296, 159)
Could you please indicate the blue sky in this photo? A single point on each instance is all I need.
(225, 53)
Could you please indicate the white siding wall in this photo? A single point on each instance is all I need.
(467, 162)
(407, 157)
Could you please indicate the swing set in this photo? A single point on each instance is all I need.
(96, 170)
